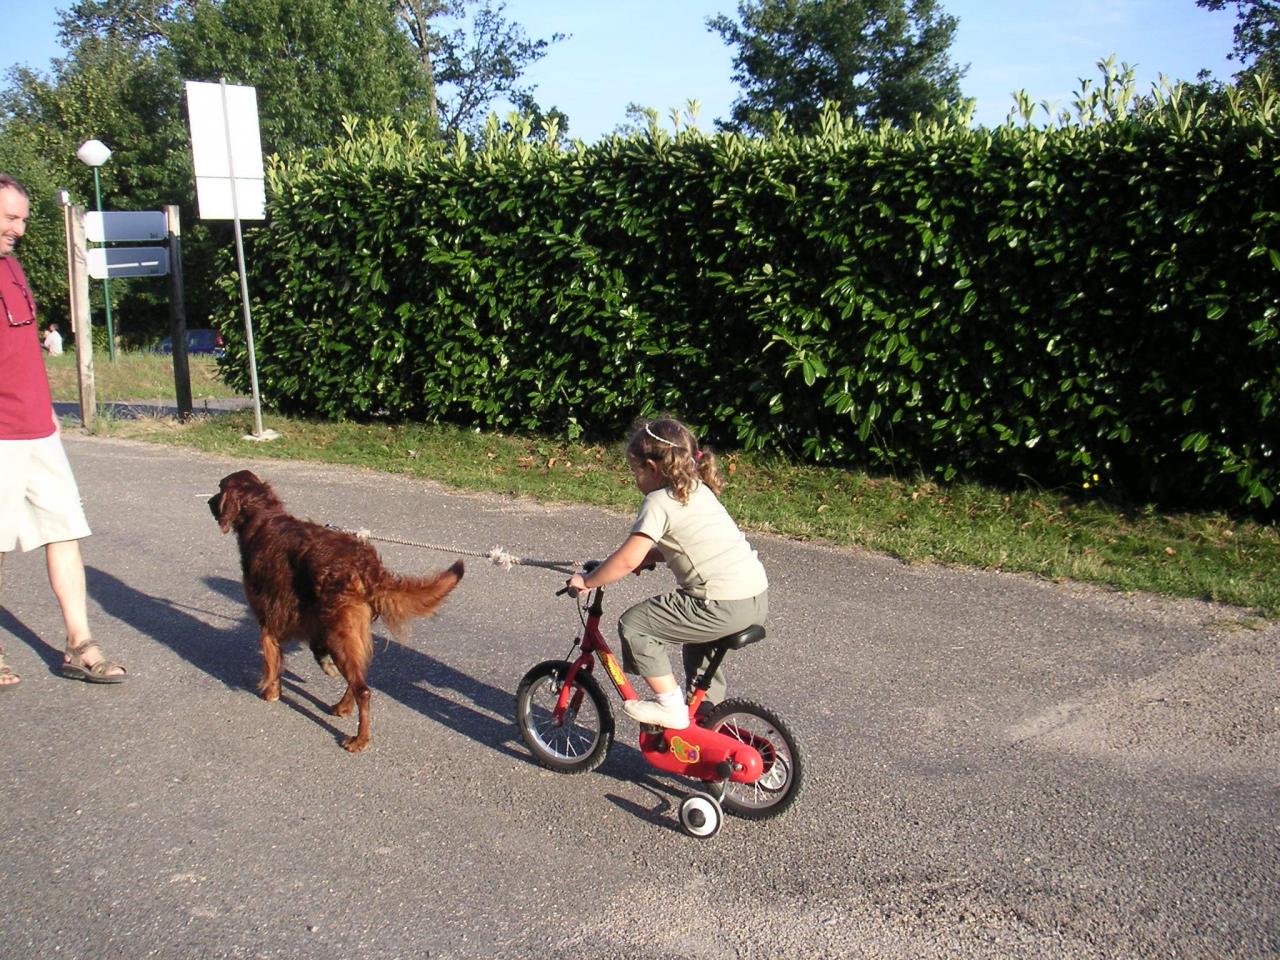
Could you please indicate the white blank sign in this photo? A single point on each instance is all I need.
(213, 195)
(223, 143)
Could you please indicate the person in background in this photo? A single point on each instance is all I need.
(39, 499)
(52, 341)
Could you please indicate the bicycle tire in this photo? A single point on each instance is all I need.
(780, 784)
(576, 747)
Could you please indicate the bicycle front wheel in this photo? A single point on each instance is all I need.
(783, 775)
(580, 740)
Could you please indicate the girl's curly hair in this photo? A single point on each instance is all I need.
(671, 445)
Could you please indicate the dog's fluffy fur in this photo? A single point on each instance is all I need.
(309, 583)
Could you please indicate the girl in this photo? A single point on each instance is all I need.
(720, 583)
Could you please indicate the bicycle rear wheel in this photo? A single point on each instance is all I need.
(779, 785)
(581, 740)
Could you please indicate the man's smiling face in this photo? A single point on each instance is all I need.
(14, 211)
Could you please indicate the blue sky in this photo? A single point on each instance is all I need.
(659, 53)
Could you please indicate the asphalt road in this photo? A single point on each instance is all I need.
(997, 767)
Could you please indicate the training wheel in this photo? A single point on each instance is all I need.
(700, 815)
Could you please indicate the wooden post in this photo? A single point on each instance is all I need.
(178, 314)
(78, 294)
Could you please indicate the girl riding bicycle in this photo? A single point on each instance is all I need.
(721, 586)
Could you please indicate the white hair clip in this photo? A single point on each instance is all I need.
(658, 438)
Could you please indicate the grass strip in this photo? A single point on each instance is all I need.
(1044, 533)
(136, 376)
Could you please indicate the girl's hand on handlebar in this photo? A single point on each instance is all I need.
(575, 585)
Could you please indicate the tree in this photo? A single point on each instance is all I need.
(140, 23)
(312, 61)
(1256, 33)
(113, 90)
(416, 16)
(474, 65)
(878, 60)
(42, 250)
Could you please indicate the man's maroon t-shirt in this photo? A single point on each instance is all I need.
(26, 407)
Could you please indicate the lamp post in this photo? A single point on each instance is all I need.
(94, 153)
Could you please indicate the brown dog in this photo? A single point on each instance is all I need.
(310, 583)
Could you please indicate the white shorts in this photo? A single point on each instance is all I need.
(39, 499)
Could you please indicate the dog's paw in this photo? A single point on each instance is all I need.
(270, 694)
(355, 744)
(328, 666)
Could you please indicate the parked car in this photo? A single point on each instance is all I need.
(198, 342)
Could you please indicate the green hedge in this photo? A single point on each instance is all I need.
(1090, 306)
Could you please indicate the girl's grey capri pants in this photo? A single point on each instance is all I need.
(650, 627)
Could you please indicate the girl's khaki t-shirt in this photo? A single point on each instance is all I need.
(704, 548)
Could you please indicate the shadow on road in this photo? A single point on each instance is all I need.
(51, 655)
(421, 682)
(230, 655)
(222, 653)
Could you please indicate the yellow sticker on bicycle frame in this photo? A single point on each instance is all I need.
(615, 670)
(684, 751)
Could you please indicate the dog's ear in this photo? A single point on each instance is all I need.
(215, 507)
(226, 504)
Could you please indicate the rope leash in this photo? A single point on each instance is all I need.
(496, 555)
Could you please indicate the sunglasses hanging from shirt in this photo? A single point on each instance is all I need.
(21, 285)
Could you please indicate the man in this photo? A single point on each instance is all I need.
(53, 341)
(39, 500)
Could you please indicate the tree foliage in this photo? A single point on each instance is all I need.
(1256, 33)
(1090, 304)
(878, 60)
(312, 62)
(113, 89)
(471, 66)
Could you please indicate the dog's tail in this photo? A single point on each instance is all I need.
(399, 599)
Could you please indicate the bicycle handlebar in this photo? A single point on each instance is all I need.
(587, 567)
(590, 565)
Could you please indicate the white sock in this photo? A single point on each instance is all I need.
(672, 699)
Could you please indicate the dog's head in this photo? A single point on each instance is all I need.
(240, 495)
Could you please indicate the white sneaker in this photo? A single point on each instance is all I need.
(652, 712)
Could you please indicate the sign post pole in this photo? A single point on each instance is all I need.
(244, 279)
(226, 154)
(178, 315)
(78, 276)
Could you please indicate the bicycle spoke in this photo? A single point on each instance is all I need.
(569, 739)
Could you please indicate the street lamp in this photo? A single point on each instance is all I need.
(94, 153)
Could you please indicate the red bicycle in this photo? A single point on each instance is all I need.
(744, 756)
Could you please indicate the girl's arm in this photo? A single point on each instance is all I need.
(634, 552)
(654, 557)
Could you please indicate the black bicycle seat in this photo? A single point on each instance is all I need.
(736, 641)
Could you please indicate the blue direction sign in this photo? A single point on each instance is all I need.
(122, 225)
(112, 262)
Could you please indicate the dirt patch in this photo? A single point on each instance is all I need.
(1219, 707)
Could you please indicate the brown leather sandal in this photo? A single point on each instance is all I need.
(75, 667)
(7, 677)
